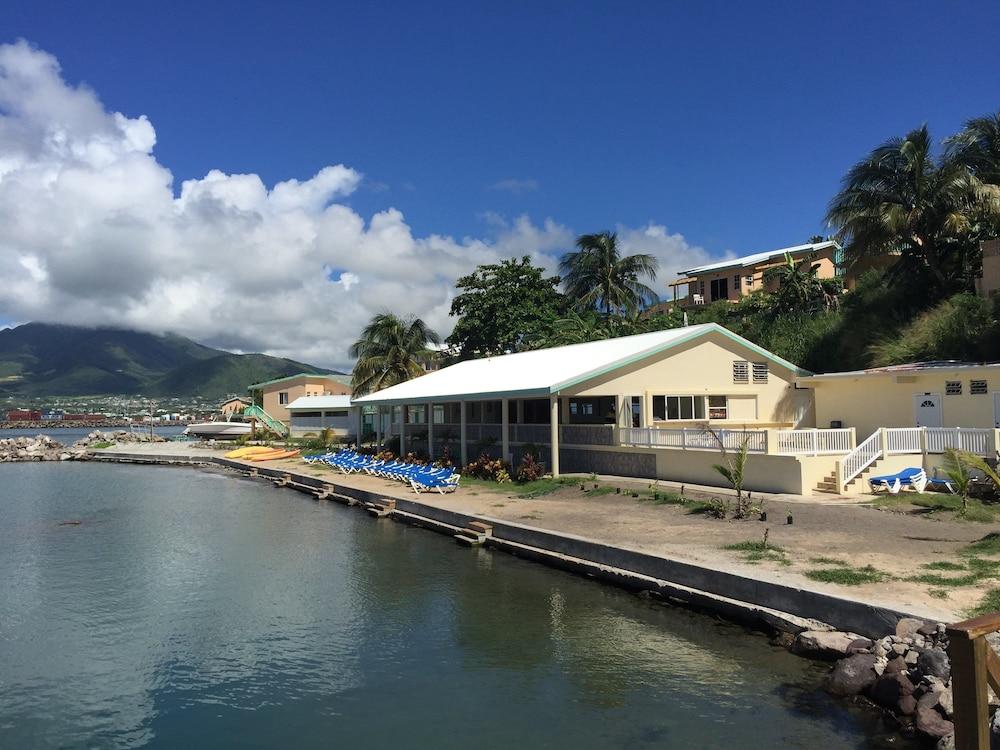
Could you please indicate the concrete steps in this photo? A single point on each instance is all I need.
(475, 534)
(828, 485)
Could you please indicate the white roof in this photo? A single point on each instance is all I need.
(750, 260)
(909, 368)
(545, 371)
(317, 403)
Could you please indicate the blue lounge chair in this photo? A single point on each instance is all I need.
(912, 478)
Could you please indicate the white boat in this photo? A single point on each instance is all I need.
(218, 430)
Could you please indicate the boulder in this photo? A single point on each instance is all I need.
(852, 675)
(890, 688)
(824, 644)
(934, 663)
(946, 702)
(860, 646)
(906, 705)
(933, 724)
(895, 665)
(908, 626)
(946, 743)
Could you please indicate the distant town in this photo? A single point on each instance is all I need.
(54, 411)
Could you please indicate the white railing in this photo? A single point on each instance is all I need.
(860, 458)
(903, 440)
(816, 442)
(973, 440)
(697, 439)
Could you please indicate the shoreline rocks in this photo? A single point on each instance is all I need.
(44, 448)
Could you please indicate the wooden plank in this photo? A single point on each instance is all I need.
(977, 626)
(968, 684)
(993, 669)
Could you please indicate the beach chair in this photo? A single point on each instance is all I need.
(912, 478)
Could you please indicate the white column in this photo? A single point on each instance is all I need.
(430, 431)
(505, 429)
(554, 432)
(402, 430)
(378, 427)
(463, 451)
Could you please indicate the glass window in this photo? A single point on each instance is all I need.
(659, 410)
(283, 397)
(718, 407)
(678, 407)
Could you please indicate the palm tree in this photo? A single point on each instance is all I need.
(901, 200)
(798, 285)
(597, 276)
(390, 351)
(978, 147)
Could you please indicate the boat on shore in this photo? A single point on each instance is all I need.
(218, 430)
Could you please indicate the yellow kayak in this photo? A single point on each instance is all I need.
(272, 456)
(248, 451)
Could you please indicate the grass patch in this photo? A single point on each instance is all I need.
(976, 569)
(989, 603)
(101, 445)
(755, 552)
(943, 565)
(988, 545)
(846, 576)
(528, 490)
(826, 561)
(663, 498)
(939, 502)
(600, 490)
(938, 594)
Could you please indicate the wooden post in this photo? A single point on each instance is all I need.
(554, 432)
(968, 684)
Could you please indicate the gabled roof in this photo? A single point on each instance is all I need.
(315, 375)
(752, 260)
(317, 403)
(545, 371)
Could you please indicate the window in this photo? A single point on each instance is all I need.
(438, 413)
(718, 407)
(701, 288)
(736, 282)
(741, 371)
(283, 397)
(760, 372)
(667, 408)
(977, 387)
(953, 388)
(749, 282)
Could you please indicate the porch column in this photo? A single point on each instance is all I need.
(519, 410)
(505, 429)
(378, 428)
(463, 450)
(402, 430)
(554, 433)
(430, 431)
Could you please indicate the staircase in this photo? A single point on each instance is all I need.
(828, 485)
(255, 412)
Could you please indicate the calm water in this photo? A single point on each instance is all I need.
(195, 610)
(68, 435)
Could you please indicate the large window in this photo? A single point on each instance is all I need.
(669, 408)
(283, 397)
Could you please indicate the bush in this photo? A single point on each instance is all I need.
(444, 462)
(529, 469)
(489, 468)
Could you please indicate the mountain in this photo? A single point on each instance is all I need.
(39, 359)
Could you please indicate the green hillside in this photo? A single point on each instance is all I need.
(38, 359)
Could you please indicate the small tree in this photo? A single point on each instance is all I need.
(956, 466)
(733, 471)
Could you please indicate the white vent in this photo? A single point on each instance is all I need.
(953, 388)
(760, 372)
(741, 371)
(977, 387)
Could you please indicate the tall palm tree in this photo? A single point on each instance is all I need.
(597, 276)
(901, 200)
(390, 351)
(978, 147)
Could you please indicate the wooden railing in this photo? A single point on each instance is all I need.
(974, 666)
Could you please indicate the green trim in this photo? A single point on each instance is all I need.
(708, 328)
(327, 376)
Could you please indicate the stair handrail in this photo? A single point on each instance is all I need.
(255, 412)
(859, 459)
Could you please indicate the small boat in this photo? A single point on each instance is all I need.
(218, 430)
(272, 456)
(248, 451)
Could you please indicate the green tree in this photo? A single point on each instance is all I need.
(390, 351)
(596, 275)
(798, 285)
(903, 200)
(978, 148)
(502, 307)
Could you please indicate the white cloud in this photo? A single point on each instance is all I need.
(515, 186)
(94, 235)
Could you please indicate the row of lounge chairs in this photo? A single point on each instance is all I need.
(910, 479)
(420, 477)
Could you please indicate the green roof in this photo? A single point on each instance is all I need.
(345, 379)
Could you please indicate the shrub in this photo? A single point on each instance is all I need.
(489, 468)
(529, 469)
(444, 462)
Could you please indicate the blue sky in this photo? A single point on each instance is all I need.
(728, 122)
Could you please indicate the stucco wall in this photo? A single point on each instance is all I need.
(870, 402)
(296, 388)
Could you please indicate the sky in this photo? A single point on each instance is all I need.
(266, 176)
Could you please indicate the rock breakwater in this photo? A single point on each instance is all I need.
(44, 448)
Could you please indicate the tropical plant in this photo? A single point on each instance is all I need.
(390, 351)
(489, 468)
(799, 287)
(500, 307)
(529, 469)
(978, 147)
(904, 201)
(956, 466)
(733, 471)
(596, 275)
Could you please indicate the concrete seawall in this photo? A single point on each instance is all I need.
(730, 595)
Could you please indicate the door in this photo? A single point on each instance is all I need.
(720, 289)
(927, 410)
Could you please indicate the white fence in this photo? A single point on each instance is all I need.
(816, 442)
(903, 440)
(698, 439)
(978, 441)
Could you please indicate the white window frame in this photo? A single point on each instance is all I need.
(697, 404)
(283, 398)
(724, 409)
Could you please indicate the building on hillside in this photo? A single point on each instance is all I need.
(735, 278)
(921, 394)
(608, 407)
(24, 415)
(232, 406)
(274, 396)
(312, 414)
(988, 282)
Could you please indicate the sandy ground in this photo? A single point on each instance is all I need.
(857, 534)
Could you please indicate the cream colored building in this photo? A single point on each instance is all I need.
(989, 283)
(274, 396)
(925, 394)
